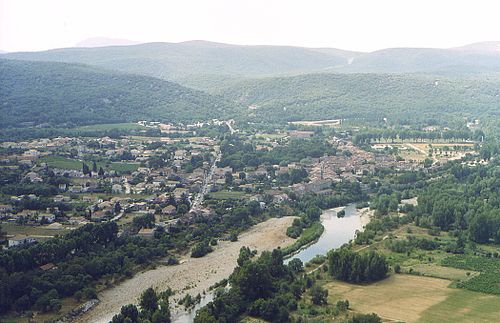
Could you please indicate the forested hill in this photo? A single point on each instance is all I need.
(200, 63)
(195, 60)
(367, 96)
(59, 93)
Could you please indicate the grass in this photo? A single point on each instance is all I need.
(414, 298)
(227, 195)
(15, 229)
(433, 270)
(391, 297)
(75, 164)
(309, 235)
(464, 306)
(62, 162)
(110, 126)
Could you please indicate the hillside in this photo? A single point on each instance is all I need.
(425, 61)
(173, 61)
(58, 93)
(366, 96)
(203, 65)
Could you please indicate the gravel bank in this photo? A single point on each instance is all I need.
(193, 275)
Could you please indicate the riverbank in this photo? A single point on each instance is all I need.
(193, 275)
(365, 215)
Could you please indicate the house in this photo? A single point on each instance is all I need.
(61, 198)
(49, 218)
(48, 266)
(169, 210)
(5, 208)
(19, 241)
(146, 233)
(301, 134)
(116, 189)
(178, 192)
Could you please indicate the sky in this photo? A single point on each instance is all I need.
(362, 25)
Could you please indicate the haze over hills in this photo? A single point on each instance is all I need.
(104, 41)
(60, 93)
(200, 63)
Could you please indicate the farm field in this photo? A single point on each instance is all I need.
(431, 300)
(41, 231)
(226, 195)
(419, 151)
(110, 126)
(74, 164)
(318, 123)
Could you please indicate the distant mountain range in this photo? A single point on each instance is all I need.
(74, 86)
(103, 42)
(200, 63)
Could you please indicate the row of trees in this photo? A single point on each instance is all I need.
(367, 137)
(347, 265)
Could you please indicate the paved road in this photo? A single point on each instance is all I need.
(198, 200)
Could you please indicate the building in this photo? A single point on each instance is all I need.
(169, 210)
(19, 241)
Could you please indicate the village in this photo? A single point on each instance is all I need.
(73, 181)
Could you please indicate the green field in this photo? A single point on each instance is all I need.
(227, 195)
(464, 306)
(15, 229)
(111, 126)
(74, 164)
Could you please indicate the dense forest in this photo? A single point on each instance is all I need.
(465, 200)
(399, 98)
(43, 93)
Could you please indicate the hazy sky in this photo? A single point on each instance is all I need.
(348, 24)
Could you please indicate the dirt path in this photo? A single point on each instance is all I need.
(193, 275)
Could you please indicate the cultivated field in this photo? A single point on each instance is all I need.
(74, 164)
(414, 298)
(318, 123)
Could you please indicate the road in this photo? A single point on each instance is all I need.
(198, 200)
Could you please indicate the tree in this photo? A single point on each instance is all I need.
(94, 167)
(130, 311)
(149, 300)
(85, 169)
(101, 171)
(229, 178)
(319, 295)
(365, 318)
(296, 265)
(479, 228)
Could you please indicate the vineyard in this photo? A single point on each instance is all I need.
(489, 279)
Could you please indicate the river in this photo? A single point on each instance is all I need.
(337, 232)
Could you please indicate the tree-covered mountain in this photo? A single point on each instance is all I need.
(194, 59)
(203, 64)
(367, 96)
(59, 93)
